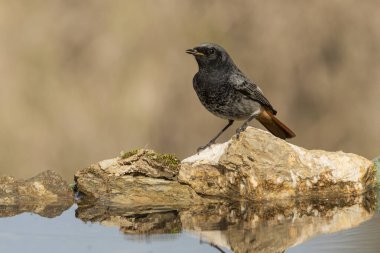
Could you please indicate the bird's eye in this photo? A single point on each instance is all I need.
(211, 51)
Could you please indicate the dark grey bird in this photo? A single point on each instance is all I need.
(227, 93)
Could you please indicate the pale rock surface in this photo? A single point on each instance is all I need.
(260, 166)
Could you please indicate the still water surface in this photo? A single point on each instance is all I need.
(340, 226)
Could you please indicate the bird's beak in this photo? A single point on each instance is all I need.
(194, 52)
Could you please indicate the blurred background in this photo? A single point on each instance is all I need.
(82, 80)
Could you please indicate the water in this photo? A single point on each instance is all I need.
(32, 233)
(340, 225)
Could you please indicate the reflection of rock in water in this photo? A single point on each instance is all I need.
(44, 209)
(156, 221)
(242, 227)
(276, 227)
(46, 194)
(162, 223)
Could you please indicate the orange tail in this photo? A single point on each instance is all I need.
(274, 125)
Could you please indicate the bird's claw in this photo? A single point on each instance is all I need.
(205, 146)
(201, 148)
(239, 130)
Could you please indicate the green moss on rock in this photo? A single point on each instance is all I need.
(130, 153)
(169, 160)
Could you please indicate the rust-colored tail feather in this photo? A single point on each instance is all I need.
(274, 125)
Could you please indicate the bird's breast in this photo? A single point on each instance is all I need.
(223, 100)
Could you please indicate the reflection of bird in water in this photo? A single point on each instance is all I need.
(227, 93)
(217, 247)
(213, 245)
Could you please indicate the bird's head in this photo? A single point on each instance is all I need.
(211, 56)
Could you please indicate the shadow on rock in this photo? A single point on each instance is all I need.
(240, 226)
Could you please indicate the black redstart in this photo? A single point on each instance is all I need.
(225, 91)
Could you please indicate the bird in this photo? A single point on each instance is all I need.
(225, 91)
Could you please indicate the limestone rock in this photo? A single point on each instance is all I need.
(140, 177)
(260, 166)
(46, 194)
(47, 186)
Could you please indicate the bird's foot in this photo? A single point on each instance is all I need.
(205, 146)
(239, 130)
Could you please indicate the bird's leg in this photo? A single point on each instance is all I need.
(212, 141)
(245, 124)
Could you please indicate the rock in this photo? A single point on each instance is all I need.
(241, 226)
(260, 166)
(46, 186)
(139, 177)
(46, 194)
(377, 164)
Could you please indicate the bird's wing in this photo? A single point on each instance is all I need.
(251, 90)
